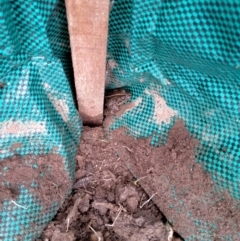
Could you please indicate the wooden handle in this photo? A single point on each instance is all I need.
(88, 29)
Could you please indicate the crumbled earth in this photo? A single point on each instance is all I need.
(183, 190)
(44, 171)
(107, 202)
(122, 183)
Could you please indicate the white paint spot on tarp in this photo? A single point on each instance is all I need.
(19, 128)
(60, 105)
(166, 81)
(162, 113)
(46, 86)
(3, 151)
(210, 137)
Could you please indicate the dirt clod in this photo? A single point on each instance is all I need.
(80, 162)
(63, 236)
(101, 206)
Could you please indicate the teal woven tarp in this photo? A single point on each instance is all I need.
(37, 111)
(186, 54)
(182, 54)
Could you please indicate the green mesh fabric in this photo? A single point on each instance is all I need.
(188, 53)
(185, 51)
(37, 107)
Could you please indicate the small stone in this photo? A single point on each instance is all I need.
(101, 206)
(80, 174)
(139, 221)
(132, 204)
(123, 193)
(80, 161)
(84, 205)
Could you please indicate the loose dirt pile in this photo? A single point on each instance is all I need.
(185, 192)
(41, 175)
(108, 201)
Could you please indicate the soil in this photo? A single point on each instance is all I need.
(125, 189)
(107, 203)
(114, 100)
(185, 192)
(122, 183)
(39, 174)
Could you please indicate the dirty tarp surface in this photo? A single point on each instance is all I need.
(181, 60)
(37, 111)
